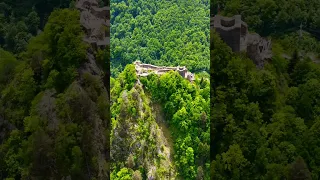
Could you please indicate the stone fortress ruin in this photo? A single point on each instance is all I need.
(96, 22)
(234, 32)
(146, 69)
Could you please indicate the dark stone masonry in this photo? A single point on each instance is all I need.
(234, 32)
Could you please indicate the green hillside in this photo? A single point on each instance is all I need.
(265, 123)
(54, 111)
(142, 110)
(160, 32)
(160, 123)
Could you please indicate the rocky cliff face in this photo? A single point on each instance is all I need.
(136, 133)
(95, 23)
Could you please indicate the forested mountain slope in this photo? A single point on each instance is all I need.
(265, 123)
(21, 20)
(280, 19)
(139, 146)
(160, 123)
(54, 110)
(160, 32)
(272, 16)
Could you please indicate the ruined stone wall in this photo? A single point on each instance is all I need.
(182, 73)
(258, 49)
(143, 70)
(148, 66)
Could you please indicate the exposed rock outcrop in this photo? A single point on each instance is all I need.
(96, 24)
(139, 134)
(46, 109)
(95, 21)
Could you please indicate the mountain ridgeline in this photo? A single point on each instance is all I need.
(160, 126)
(160, 123)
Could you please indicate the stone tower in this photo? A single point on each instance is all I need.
(232, 31)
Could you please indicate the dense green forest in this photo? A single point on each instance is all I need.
(161, 33)
(280, 19)
(265, 123)
(21, 20)
(272, 16)
(160, 124)
(53, 111)
(136, 142)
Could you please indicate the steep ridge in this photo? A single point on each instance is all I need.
(137, 135)
(97, 37)
(153, 121)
